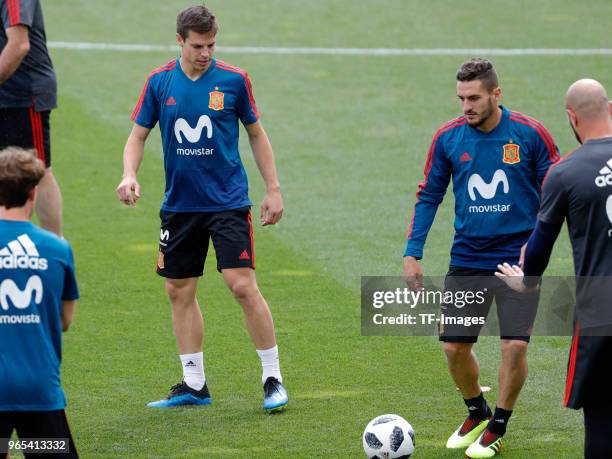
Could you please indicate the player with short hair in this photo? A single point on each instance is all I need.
(38, 292)
(579, 190)
(497, 159)
(28, 93)
(198, 102)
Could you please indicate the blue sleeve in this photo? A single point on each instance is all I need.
(429, 196)
(538, 251)
(146, 113)
(545, 149)
(245, 104)
(71, 290)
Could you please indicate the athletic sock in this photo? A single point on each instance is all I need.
(193, 370)
(477, 407)
(270, 365)
(499, 421)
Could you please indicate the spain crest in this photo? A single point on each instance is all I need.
(512, 153)
(215, 102)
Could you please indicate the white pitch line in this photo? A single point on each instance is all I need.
(344, 51)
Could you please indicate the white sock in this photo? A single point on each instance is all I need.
(193, 370)
(269, 364)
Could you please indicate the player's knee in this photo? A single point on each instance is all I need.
(177, 290)
(514, 346)
(244, 290)
(457, 351)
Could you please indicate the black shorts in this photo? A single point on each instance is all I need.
(38, 424)
(589, 371)
(26, 128)
(184, 238)
(516, 311)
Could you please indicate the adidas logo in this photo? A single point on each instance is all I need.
(605, 179)
(465, 157)
(244, 255)
(190, 364)
(22, 254)
(501, 421)
(170, 101)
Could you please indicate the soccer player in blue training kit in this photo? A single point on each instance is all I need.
(28, 93)
(497, 159)
(198, 101)
(38, 291)
(579, 189)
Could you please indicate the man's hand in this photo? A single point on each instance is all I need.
(522, 256)
(271, 208)
(413, 273)
(513, 277)
(128, 191)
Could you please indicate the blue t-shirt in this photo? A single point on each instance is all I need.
(198, 121)
(497, 178)
(36, 274)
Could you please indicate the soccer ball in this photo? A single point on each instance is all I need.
(388, 437)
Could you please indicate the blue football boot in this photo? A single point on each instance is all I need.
(275, 395)
(183, 395)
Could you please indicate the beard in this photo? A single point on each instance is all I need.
(575, 133)
(484, 116)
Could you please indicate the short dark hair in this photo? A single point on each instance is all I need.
(197, 18)
(20, 172)
(479, 69)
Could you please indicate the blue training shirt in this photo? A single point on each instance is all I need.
(497, 178)
(198, 121)
(36, 274)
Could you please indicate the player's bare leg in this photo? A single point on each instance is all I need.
(258, 318)
(187, 320)
(257, 315)
(49, 203)
(465, 371)
(188, 325)
(512, 372)
(463, 367)
(512, 376)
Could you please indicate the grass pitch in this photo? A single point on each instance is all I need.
(350, 135)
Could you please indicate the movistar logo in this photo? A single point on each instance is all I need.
(605, 178)
(193, 135)
(22, 254)
(609, 207)
(487, 190)
(21, 299)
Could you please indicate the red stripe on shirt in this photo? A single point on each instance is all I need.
(460, 121)
(164, 68)
(247, 81)
(561, 159)
(571, 366)
(14, 13)
(540, 129)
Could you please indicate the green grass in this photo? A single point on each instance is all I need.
(350, 135)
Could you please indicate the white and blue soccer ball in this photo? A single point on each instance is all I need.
(388, 437)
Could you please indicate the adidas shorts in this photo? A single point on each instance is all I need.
(184, 239)
(37, 424)
(26, 128)
(516, 311)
